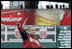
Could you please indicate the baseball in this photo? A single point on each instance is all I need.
(19, 13)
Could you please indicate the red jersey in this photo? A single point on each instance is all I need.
(30, 43)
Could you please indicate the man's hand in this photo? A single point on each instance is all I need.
(18, 24)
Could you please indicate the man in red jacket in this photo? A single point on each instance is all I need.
(29, 41)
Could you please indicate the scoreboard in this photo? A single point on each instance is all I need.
(64, 37)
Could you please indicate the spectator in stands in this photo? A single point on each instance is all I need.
(51, 6)
(47, 6)
(34, 4)
(60, 7)
(63, 6)
(70, 6)
(31, 4)
(21, 7)
(56, 6)
(1, 6)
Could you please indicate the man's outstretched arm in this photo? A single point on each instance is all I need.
(22, 32)
(20, 28)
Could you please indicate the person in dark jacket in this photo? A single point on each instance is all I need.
(1, 6)
(21, 6)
